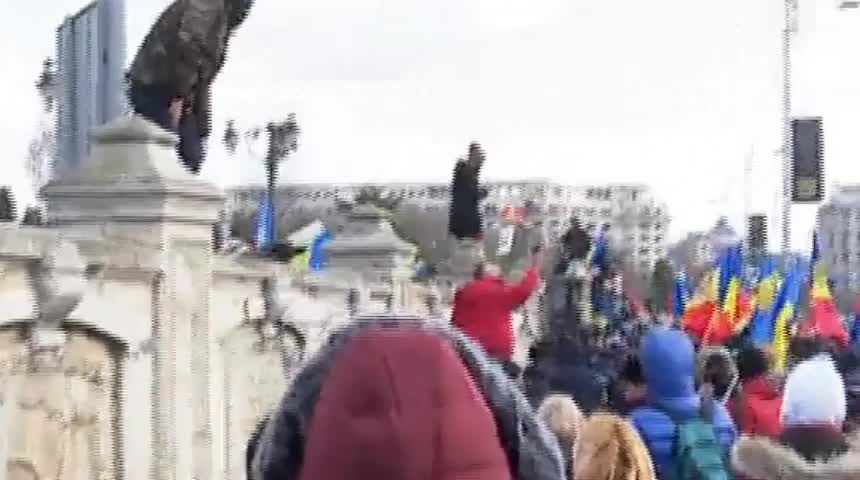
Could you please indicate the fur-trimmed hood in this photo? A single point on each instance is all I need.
(707, 353)
(530, 447)
(760, 458)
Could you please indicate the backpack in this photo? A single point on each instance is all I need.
(697, 453)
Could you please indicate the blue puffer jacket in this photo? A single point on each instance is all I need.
(668, 358)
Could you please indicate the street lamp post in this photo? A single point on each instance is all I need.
(787, 31)
(282, 140)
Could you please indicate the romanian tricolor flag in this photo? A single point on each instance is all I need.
(769, 281)
(782, 314)
(721, 307)
(823, 319)
(700, 309)
(734, 307)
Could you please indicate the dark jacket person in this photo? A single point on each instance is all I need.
(575, 245)
(171, 76)
(464, 219)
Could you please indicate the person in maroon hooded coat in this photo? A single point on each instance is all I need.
(404, 399)
(376, 419)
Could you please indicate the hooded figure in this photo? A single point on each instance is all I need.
(667, 359)
(564, 419)
(610, 449)
(464, 219)
(172, 74)
(716, 367)
(399, 399)
(565, 367)
(759, 458)
(812, 445)
(759, 403)
(576, 243)
(814, 408)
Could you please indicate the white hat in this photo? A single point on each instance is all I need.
(814, 394)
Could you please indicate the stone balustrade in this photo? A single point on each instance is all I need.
(128, 349)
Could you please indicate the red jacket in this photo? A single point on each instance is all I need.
(757, 411)
(482, 311)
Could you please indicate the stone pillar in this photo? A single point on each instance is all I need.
(373, 256)
(133, 192)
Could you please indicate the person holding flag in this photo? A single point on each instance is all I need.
(597, 261)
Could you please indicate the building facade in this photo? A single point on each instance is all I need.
(639, 223)
(696, 252)
(91, 58)
(839, 232)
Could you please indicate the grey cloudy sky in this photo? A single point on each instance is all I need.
(671, 93)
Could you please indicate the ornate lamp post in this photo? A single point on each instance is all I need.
(282, 140)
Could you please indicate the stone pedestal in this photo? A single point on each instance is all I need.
(155, 221)
(370, 256)
(368, 247)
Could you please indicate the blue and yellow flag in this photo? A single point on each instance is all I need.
(765, 293)
(783, 312)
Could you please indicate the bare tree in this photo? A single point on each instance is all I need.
(42, 147)
(378, 198)
(281, 139)
(32, 217)
(8, 209)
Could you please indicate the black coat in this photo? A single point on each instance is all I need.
(464, 219)
(576, 243)
(185, 50)
(251, 448)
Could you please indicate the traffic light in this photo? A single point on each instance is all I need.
(807, 160)
(757, 234)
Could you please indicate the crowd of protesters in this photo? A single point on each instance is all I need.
(404, 398)
(633, 398)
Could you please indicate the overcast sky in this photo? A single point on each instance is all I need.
(671, 93)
